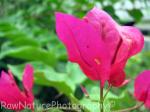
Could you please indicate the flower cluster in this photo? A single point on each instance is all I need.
(99, 45)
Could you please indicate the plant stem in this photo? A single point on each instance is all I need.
(101, 99)
(131, 108)
(108, 89)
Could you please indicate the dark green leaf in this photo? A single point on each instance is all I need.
(136, 14)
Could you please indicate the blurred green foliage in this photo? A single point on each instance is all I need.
(27, 35)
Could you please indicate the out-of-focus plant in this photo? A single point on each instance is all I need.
(27, 35)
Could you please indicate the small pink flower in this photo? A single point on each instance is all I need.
(99, 45)
(142, 88)
(11, 97)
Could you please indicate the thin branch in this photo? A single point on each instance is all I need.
(107, 91)
(101, 99)
(129, 109)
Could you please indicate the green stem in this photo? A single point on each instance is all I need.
(108, 89)
(101, 99)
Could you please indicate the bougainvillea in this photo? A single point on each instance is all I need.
(99, 45)
(11, 96)
(142, 88)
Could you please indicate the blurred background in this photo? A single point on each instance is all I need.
(27, 35)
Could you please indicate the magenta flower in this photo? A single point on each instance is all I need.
(99, 45)
(11, 97)
(142, 88)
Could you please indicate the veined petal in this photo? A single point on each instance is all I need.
(117, 75)
(122, 42)
(28, 77)
(147, 102)
(106, 27)
(131, 44)
(135, 39)
(142, 86)
(112, 34)
(28, 85)
(14, 96)
(99, 45)
(84, 46)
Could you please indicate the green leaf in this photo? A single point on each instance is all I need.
(5, 26)
(136, 14)
(110, 9)
(10, 31)
(74, 73)
(125, 100)
(30, 54)
(45, 75)
(24, 42)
